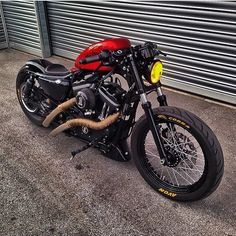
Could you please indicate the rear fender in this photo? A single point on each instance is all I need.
(38, 65)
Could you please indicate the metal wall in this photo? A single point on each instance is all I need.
(198, 36)
(3, 41)
(22, 26)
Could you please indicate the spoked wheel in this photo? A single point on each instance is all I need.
(186, 161)
(32, 103)
(195, 161)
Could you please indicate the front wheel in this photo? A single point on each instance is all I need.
(195, 159)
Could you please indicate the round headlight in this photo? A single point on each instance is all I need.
(156, 72)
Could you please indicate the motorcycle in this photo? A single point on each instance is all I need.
(175, 151)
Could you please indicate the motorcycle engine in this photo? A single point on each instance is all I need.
(85, 99)
(96, 103)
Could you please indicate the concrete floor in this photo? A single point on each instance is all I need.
(42, 192)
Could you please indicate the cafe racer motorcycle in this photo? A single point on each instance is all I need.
(175, 151)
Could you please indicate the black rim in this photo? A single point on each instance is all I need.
(175, 177)
(33, 103)
(30, 103)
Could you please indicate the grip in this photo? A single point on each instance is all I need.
(90, 59)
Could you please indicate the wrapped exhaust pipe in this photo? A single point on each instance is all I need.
(97, 125)
(60, 108)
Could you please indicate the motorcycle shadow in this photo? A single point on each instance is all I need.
(219, 207)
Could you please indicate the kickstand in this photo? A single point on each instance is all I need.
(74, 153)
(90, 144)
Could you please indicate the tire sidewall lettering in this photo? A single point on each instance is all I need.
(175, 120)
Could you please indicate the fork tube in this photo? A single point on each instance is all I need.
(155, 130)
(161, 98)
(146, 105)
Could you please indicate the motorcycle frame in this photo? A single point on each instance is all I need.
(138, 92)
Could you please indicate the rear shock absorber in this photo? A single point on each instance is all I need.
(28, 86)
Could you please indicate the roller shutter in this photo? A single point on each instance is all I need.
(198, 36)
(22, 26)
(3, 43)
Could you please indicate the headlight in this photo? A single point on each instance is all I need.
(156, 72)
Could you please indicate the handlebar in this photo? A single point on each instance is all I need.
(89, 59)
(102, 56)
(159, 52)
(148, 50)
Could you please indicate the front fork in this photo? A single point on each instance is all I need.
(155, 129)
(146, 105)
(161, 98)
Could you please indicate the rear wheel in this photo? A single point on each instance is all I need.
(195, 159)
(32, 103)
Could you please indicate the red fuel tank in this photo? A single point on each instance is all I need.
(108, 44)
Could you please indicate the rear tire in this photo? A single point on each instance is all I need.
(21, 79)
(212, 170)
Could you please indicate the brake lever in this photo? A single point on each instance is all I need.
(162, 53)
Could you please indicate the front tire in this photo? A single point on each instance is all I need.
(196, 167)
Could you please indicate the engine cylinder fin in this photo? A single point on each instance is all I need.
(97, 125)
(60, 108)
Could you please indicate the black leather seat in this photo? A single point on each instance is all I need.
(56, 69)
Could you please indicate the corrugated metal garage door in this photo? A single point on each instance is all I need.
(3, 43)
(22, 26)
(198, 36)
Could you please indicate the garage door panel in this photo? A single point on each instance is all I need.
(22, 26)
(198, 36)
(3, 41)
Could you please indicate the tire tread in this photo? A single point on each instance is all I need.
(207, 135)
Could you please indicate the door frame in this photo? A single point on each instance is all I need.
(6, 44)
